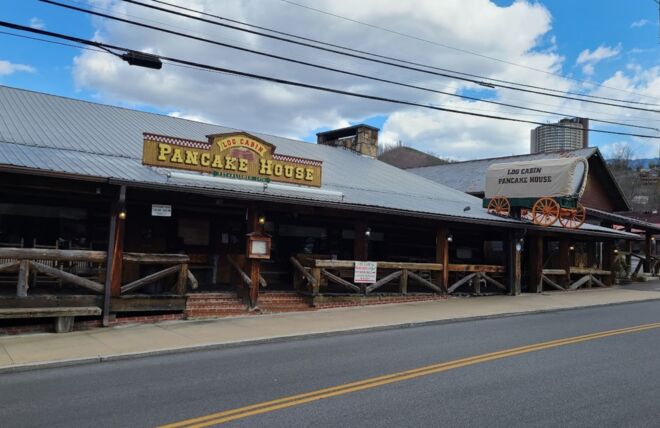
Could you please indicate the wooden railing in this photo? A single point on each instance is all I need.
(315, 273)
(476, 276)
(54, 263)
(588, 278)
(244, 277)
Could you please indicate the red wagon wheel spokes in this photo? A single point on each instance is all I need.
(572, 219)
(499, 205)
(545, 211)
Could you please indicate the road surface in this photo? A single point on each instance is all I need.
(533, 370)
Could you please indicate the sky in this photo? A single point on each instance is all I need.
(603, 48)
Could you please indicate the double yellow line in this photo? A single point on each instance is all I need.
(295, 400)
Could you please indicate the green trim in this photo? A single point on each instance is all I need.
(564, 202)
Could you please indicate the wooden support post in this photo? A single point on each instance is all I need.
(514, 268)
(23, 279)
(648, 248)
(535, 264)
(316, 285)
(403, 282)
(442, 256)
(182, 280)
(361, 242)
(565, 262)
(113, 267)
(254, 265)
(609, 262)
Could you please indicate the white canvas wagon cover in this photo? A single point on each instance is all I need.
(562, 177)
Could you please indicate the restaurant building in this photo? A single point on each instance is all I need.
(108, 213)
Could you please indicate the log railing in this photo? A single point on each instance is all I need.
(475, 276)
(560, 279)
(316, 273)
(26, 260)
(244, 277)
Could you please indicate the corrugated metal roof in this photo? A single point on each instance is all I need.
(67, 136)
(470, 176)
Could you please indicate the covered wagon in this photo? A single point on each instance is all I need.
(543, 191)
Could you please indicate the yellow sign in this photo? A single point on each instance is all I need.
(230, 155)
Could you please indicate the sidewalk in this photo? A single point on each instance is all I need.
(105, 344)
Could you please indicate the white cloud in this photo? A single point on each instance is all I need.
(192, 117)
(601, 53)
(37, 23)
(639, 24)
(7, 68)
(588, 69)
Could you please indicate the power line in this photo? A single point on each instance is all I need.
(460, 49)
(364, 52)
(279, 57)
(110, 48)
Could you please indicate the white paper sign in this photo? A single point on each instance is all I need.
(365, 272)
(158, 210)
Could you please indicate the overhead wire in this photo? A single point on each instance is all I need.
(271, 79)
(399, 33)
(363, 52)
(296, 61)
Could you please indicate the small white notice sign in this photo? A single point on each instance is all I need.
(158, 210)
(365, 272)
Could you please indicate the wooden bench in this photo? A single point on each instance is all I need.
(64, 316)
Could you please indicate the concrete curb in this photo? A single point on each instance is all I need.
(286, 338)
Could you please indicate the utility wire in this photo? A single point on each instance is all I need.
(369, 53)
(264, 78)
(176, 33)
(459, 49)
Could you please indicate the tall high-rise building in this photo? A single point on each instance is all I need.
(567, 134)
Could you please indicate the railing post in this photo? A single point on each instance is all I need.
(442, 256)
(23, 279)
(182, 280)
(565, 262)
(113, 268)
(535, 264)
(316, 273)
(403, 282)
(648, 249)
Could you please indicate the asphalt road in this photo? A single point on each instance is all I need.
(608, 381)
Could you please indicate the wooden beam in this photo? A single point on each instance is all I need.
(23, 279)
(477, 268)
(9, 267)
(53, 254)
(116, 256)
(149, 279)
(341, 281)
(350, 264)
(580, 282)
(316, 283)
(403, 282)
(551, 283)
(442, 255)
(598, 282)
(244, 277)
(493, 281)
(155, 259)
(301, 269)
(67, 277)
(192, 281)
(383, 281)
(182, 280)
(255, 274)
(554, 272)
(609, 263)
(460, 282)
(429, 284)
(590, 271)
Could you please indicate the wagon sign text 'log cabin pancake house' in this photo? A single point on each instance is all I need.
(238, 155)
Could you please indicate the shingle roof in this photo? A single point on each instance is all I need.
(80, 138)
(470, 176)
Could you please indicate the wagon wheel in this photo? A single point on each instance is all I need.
(573, 219)
(545, 211)
(499, 205)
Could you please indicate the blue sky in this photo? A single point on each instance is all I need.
(628, 29)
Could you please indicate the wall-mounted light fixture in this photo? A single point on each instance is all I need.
(262, 219)
(122, 214)
(450, 238)
(519, 244)
(571, 248)
(652, 238)
(616, 251)
(367, 232)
